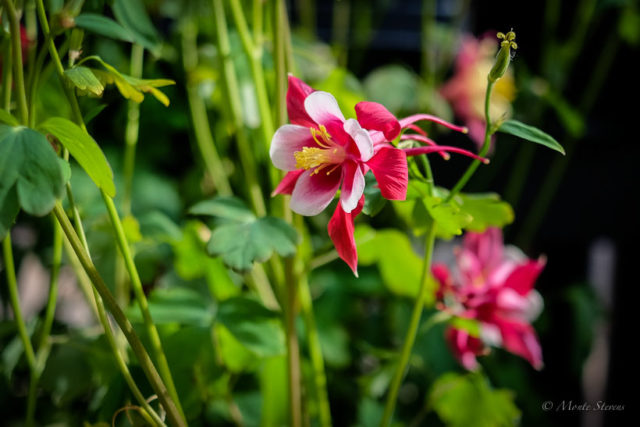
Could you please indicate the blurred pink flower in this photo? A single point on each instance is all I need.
(492, 285)
(466, 89)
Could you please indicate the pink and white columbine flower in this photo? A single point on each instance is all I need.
(494, 286)
(323, 152)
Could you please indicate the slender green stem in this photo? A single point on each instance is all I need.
(96, 302)
(280, 65)
(152, 331)
(257, 11)
(233, 97)
(16, 50)
(132, 130)
(293, 351)
(308, 17)
(136, 345)
(315, 352)
(412, 331)
(201, 127)
(254, 55)
(485, 146)
(6, 77)
(33, 80)
(15, 302)
(122, 241)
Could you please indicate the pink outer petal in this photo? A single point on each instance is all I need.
(487, 246)
(520, 338)
(361, 138)
(374, 116)
(288, 182)
(417, 117)
(389, 166)
(426, 150)
(426, 140)
(523, 277)
(465, 347)
(341, 233)
(352, 186)
(322, 107)
(296, 94)
(287, 140)
(312, 193)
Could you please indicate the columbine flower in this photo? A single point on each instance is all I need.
(467, 88)
(322, 152)
(494, 286)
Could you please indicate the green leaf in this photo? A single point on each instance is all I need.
(29, 165)
(400, 267)
(104, 26)
(130, 87)
(84, 79)
(242, 239)
(133, 16)
(486, 210)
(225, 207)
(373, 200)
(468, 399)
(6, 117)
(84, 149)
(253, 325)
(176, 305)
(242, 244)
(530, 133)
(450, 219)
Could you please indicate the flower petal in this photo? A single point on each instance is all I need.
(374, 116)
(313, 193)
(288, 182)
(520, 338)
(296, 94)
(361, 137)
(341, 233)
(322, 107)
(523, 277)
(287, 140)
(389, 166)
(352, 186)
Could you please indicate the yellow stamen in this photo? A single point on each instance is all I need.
(324, 139)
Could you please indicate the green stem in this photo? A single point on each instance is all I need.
(483, 151)
(43, 343)
(233, 97)
(201, 126)
(257, 11)
(412, 331)
(293, 351)
(308, 17)
(98, 305)
(6, 77)
(315, 352)
(33, 80)
(132, 130)
(152, 331)
(117, 225)
(16, 50)
(17, 314)
(136, 345)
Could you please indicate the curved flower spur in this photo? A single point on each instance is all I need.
(323, 152)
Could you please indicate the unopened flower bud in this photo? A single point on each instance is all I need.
(504, 55)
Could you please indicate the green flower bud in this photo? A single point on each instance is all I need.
(504, 55)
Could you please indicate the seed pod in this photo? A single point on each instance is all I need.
(504, 55)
